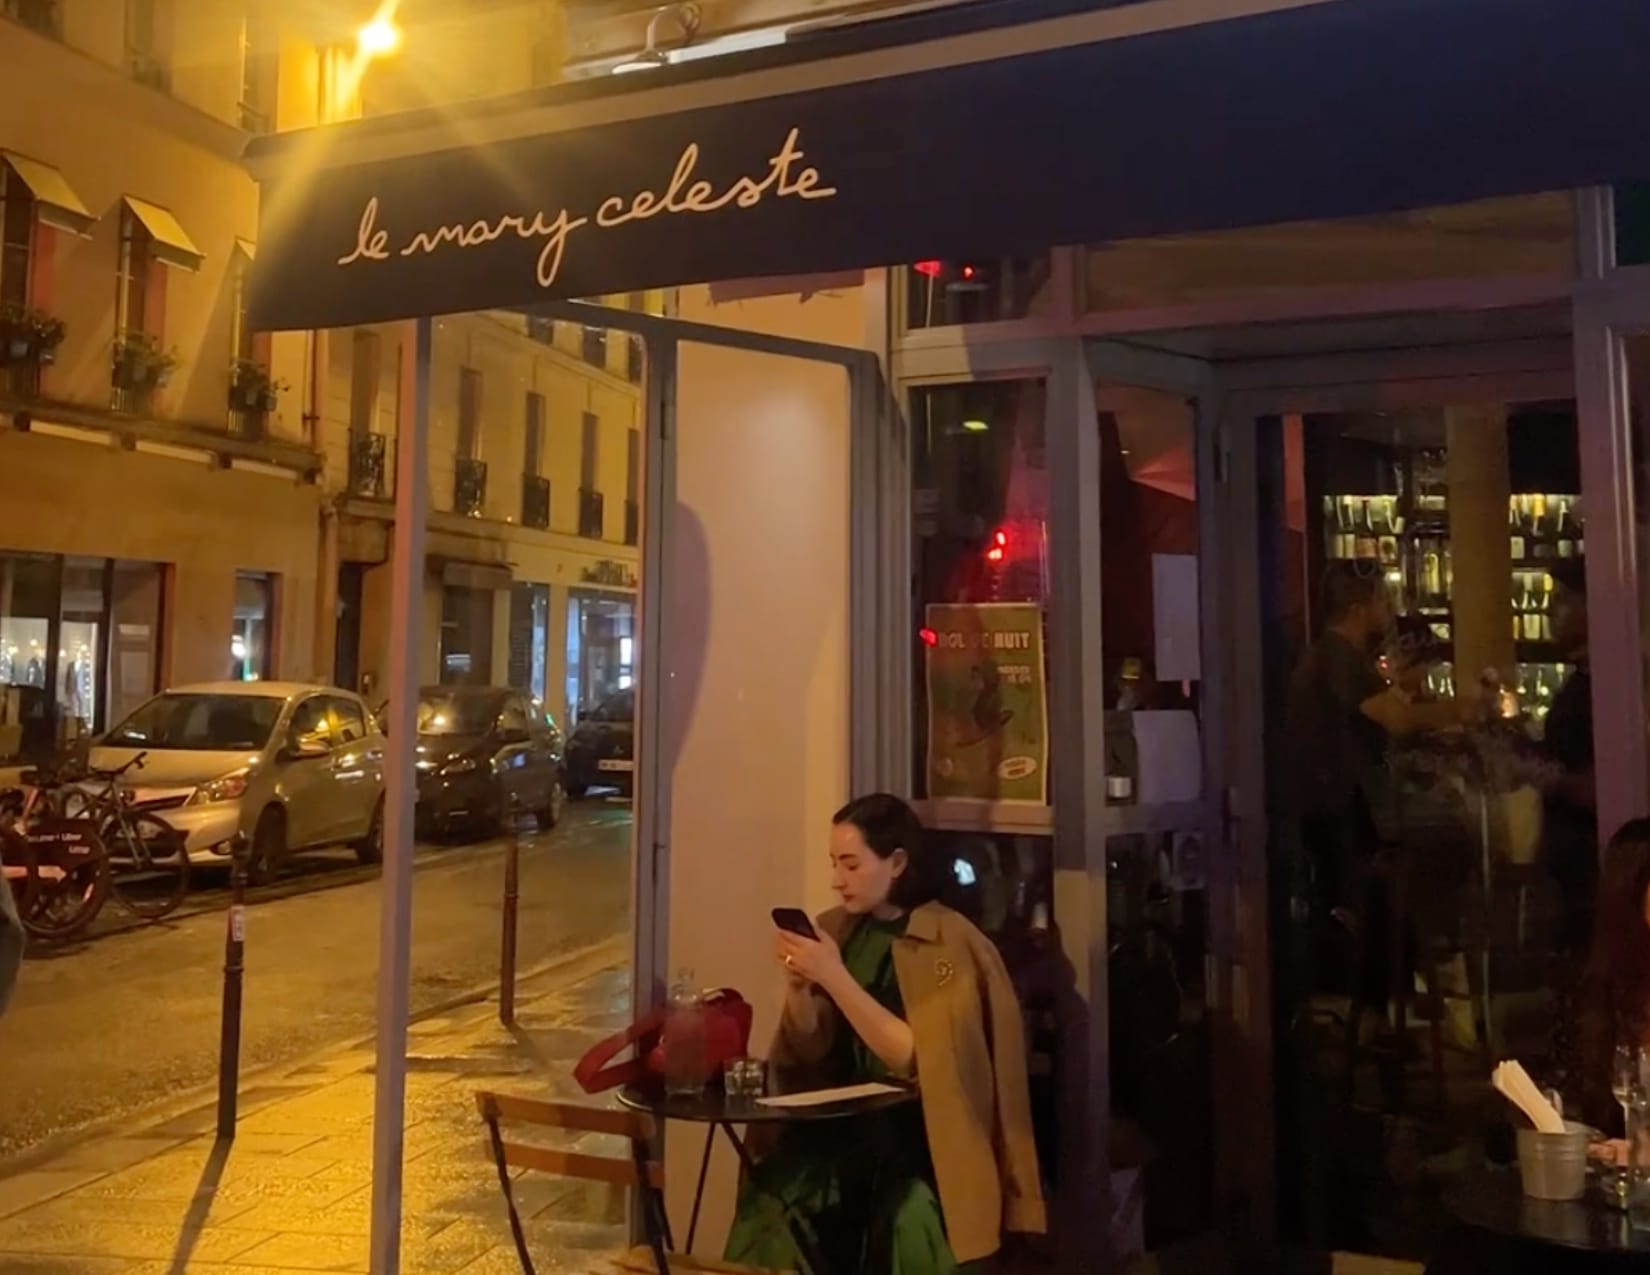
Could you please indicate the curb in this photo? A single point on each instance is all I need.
(600, 956)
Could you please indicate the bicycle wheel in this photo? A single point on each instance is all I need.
(148, 865)
(70, 890)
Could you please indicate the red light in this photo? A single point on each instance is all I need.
(968, 272)
(930, 268)
(929, 637)
(999, 547)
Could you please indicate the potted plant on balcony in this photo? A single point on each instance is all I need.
(28, 335)
(252, 388)
(141, 366)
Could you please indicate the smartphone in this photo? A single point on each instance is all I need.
(794, 921)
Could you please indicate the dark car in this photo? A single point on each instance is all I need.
(601, 752)
(485, 756)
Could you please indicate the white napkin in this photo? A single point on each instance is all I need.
(1515, 1085)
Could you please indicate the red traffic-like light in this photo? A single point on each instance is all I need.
(997, 550)
(929, 637)
(932, 269)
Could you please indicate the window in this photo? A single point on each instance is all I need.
(143, 55)
(466, 636)
(258, 71)
(587, 451)
(16, 237)
(366, 364)
(469, 414)
(138, 301)
(594, 348)
(208, 723)
(242, 336)
(533, 460)
(632, 465)
(311, 723)
(250, 656)
(943, 293)
(349, 723)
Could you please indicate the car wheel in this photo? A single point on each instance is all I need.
(370, 849)
(550, 816)
(268, 847)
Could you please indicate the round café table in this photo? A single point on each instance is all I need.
(1495, 1228)
(716, 1110)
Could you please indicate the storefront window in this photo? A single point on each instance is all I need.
(466, 636)
(78, 647)
(249, 645)
(980, 505)
(947, 293)
(1526, 236)
(601, 647)
(529, 638)
(1434, 850)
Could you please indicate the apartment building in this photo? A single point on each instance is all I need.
(184, 499)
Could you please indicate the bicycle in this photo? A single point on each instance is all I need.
(148, 861)
(57, 867)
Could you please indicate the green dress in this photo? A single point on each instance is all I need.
(863, 1188)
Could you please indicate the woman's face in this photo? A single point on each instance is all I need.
(862, 879)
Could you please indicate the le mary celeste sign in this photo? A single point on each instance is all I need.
(1285, 116)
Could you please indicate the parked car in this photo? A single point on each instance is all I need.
(486, 754)
(601, 752)
(293, 767)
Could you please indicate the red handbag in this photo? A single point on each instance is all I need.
(727, 1030)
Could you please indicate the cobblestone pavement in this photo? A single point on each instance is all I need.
(293, 1192)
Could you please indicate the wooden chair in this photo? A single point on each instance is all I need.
(641, 1173)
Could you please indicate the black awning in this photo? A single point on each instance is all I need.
(1325, 110)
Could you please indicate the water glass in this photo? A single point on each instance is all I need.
(745, 1078)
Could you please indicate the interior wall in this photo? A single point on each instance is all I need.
(756, 659)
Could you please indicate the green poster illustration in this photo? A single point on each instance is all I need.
(987, 706)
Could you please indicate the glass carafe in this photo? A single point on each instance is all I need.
(686, 1062)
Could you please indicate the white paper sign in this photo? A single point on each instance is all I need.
(1174, 617)
(828, 1097)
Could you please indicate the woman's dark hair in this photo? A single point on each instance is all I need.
(887, 824)
(1616, 986)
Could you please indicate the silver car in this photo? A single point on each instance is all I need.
(292, 766)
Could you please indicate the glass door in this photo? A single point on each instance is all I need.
(1159, 663)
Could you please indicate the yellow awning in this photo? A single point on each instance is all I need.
(171, 244)
(246, 248)
(55, 202)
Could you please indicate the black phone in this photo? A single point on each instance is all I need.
(794, 921)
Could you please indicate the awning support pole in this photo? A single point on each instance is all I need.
(395, 912)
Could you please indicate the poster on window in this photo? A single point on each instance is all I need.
(987, 702)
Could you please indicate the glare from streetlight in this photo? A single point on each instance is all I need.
(379, 37)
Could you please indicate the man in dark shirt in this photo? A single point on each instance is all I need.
(1341, 714)
(1569, 808)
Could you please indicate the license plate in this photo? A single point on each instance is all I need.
(613, 764)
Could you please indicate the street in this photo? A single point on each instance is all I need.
(130, 1018)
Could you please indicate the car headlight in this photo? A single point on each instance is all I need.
(229, 788)
(461, 766)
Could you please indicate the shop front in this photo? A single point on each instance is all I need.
(1038, 536)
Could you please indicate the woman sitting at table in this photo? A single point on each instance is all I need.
(896, 987)
(1613, 1008)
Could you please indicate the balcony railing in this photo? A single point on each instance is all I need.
(535, 501)
(254, 119)
(592, 514)
(366, 466)
(635, 365)
(632, 522)
(595, 347)
(469, 487)
(146, 68)
(541, 330)
(44, 16)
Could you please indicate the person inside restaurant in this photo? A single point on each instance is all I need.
(895, 986)
(1569, 814)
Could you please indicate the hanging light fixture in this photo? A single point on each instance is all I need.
(686, 16)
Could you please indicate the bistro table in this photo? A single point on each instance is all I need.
(718, 1110)
(1496, 1227)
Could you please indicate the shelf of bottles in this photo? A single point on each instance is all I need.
(1406, 537)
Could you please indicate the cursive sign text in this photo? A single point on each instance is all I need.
(786, 177)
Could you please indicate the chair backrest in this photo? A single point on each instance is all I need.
(638, 1129)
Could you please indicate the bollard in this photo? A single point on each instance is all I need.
(507, 956)
(234, 970)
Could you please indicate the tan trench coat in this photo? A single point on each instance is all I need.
(971, 1065)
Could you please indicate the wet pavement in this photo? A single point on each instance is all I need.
(129, 1020)
(293, 1192)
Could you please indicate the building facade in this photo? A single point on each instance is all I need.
(185, 499)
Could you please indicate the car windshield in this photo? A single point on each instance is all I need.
(199, 723)
(457, 714)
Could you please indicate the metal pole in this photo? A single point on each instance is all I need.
(234, 972)
(507, 956)
(400, 795)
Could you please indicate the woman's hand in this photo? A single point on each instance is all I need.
(1611, 1152)
(817, 961)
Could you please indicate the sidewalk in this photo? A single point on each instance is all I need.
(294, 1191)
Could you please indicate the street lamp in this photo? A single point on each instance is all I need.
(379, 37)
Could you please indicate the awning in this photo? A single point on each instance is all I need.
(1109, 124)
(55, 201)
(172, 245)
(246, 248)
(473, 575)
